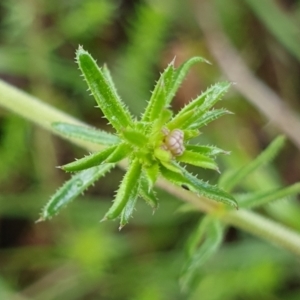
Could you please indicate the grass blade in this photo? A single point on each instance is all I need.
(210, 234)
(230, 181)
(263, 197)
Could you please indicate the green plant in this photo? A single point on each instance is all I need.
(247, 253)
(154, 145)
(209, 234)
(151, 153)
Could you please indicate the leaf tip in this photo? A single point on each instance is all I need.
(235, 204)
(40, 219)
(80, 49)
(103, 219)
(173, 61)
(207, 61)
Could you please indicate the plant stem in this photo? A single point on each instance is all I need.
(36, 111)
(31, 108)
(265, 228)
(246, 220)
(43, 114)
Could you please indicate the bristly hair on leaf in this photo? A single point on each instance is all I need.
(156, 145)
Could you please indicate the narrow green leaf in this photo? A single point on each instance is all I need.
(263, 197)
(104, 93)
(162, 154)
(215, 95)
(230, 181)
(151, 173)
(86, 133)
(142, 126)
(134, 137)
(209, 98)
(209, 234)
(159, 96)
(206, 150)
(122, 151)
(180, 74)
(109, 79)
(200, 234)
(169, 165)
(73, 188)
(197, 159)
(179, 121)
(203, 102)
(89, 161)
(127, 190)
(190, 134)
(164, 116)
(127, 212)
(147, 193)
(198, 186)
(204, 119)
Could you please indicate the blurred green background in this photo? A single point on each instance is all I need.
(75, 257)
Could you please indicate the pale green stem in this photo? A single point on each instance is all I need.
(264, 228)
(43, 114)
(37, 111)
(31, 108)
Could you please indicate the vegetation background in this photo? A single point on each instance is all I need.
(255, 44)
